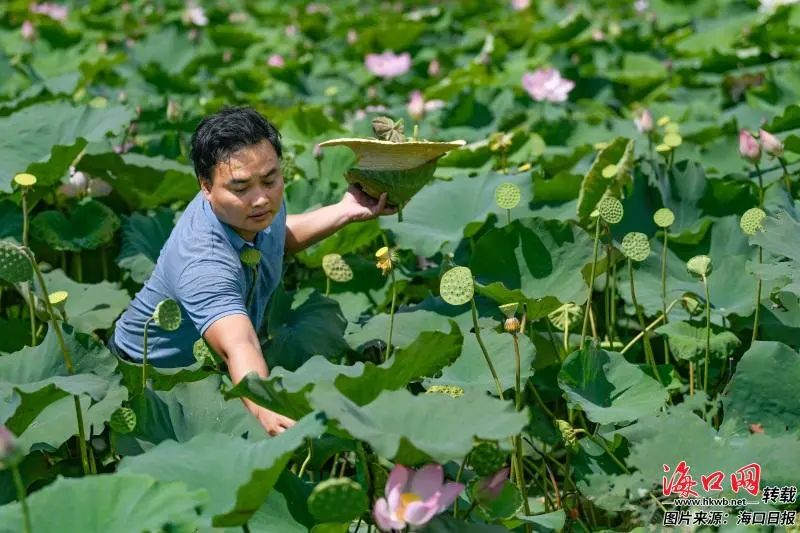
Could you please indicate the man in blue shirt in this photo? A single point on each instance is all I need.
(240, 208)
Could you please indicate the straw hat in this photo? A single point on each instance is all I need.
(375, 154)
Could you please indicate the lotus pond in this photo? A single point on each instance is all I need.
(592, 309)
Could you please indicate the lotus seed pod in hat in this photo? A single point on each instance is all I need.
(457, 286)
(751, 220)
(636, 246)
(14, 264)
(699, 266)
(337, 500)
(167, 315)
(610, 209)
(336, 268)
(507, 195)
(664, 217)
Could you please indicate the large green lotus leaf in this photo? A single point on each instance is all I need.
(286, 392)
(407, 326)
(143, 236)
(151, 49)
(398, 427)
(347, 240)
(688, 342)
(541, 258)
(445, 523)
(300, 325)
(438, 214)
(470, 369)
(306, 123)
(237, 474)
(45, 138)
(618, 152)
(322, 183)
(608, 388)
(159, 378)
(89, 226)
(114, 503)
(90, 306)
(763, 390)
(144, 182)
(284, 510)
(185, 411)
(781, 238)
(716, 34)
(682, 192)
(639, 70)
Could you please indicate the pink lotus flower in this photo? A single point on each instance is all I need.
(519, 5)
(434, 68)
(418, 106)
(388, 65)
(27, 31)
(547, 84)
(54, 11)
(489, 488)
(749, 147)
(772, 145)
(414, 497)
(644, 122)
(276, 60)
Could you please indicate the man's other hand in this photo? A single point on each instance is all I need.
(360, 206)
(274, 423)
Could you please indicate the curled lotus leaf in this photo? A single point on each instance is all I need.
(337, 500)
(699, 266)
(751, 221)
(664, 217)
(336, 268)
(610, 209)
(457, 286)
(636, 246)
(507, 195)
(14, 264)
(168, 315)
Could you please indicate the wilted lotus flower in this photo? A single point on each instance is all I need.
(28, 31)
(195, 14)
(414, 498)
(519, 5)
(772, 145)
(434, 68)
(547, 84)
(54, 11)
(352, 36)
(749, 147)
(276, 60)
(388, 64)
(489, 488)
(644, 122)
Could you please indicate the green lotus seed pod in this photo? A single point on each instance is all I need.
(123, 420)
(25, 180)
(202, 352)
(58, 297)
(672, 127)
(486, 458)
(457, 286)
(250, 256)
(568, 434)
(454, 391)
(636, 246)
(337, 500)
(673, 140)
(14, 264)
(507, 196)
(509, 310)
(751, 220)
(664, 217)
(167, 315)
(699, 266)
(336, 268)
(568, 314)
(610, 209)
(609, 171)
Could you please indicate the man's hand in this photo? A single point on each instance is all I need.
(360, 206)
(274, 423)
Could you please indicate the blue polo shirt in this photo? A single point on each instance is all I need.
(199, 267)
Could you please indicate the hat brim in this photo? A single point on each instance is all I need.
(374, 154)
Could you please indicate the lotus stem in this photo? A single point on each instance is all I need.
(144, 354)
(458, 480)
(786, 178)
(517, 441)
(648, 349)
(591, 281)
(307, 459)
(566, 332)
(708, 334)
(758, 300)
(652, 324)
(664, 292)
(362, 455)
(508, 215)
(691, 378)
(391, 316)
(613, 303)
(606, 296)
(485, 352)
(78, 265)
(327, 285)
(760, 186)
(23, 502)
(31, 297)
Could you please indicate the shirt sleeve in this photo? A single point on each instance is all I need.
(209, 290)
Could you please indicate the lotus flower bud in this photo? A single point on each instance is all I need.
(749, 147)
(317, 152)
(511, 325)
(8, 446)
(644, 122)
(772, 145)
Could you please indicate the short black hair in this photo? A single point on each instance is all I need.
(226, 131)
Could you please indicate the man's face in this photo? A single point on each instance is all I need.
(247, 190)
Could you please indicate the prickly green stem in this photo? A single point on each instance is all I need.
(485, 352)
(391, 316)
(648, 349)
(758, 300)
(760, 187)
(26, 517)
(708, 334)
(591, 281)
(664, 293)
